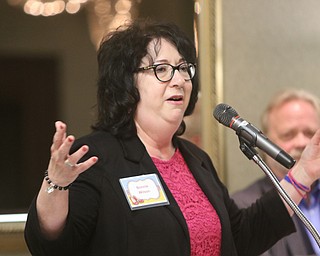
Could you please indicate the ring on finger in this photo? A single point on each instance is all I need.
(67, 163)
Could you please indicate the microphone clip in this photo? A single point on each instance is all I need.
(247, 149)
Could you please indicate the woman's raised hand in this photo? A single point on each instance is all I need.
(64, 168)
(310, 159)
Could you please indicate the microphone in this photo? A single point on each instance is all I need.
(227, 116)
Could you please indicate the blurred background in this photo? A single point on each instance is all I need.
(48, 72)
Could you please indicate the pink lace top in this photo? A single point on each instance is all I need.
(202, 220)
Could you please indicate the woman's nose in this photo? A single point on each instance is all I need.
(177, 79)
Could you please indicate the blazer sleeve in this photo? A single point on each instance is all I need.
(256, 228)
(83, 210)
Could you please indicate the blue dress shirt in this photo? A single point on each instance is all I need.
(311, 210)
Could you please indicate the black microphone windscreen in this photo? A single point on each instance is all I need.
(224, 113)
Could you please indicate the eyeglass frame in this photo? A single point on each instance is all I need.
(174, 68)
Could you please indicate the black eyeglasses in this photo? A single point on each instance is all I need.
(165, 72)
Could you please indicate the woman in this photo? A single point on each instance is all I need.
(136, 187)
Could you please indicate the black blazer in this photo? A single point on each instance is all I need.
(100, 221)
(297, 243)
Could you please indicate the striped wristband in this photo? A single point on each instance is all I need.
(297, 185)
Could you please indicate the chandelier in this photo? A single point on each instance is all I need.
(102, 15)
(48, 7)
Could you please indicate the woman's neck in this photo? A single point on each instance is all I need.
(158, 144)
(163, 154)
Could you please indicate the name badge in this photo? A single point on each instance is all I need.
(144, 191)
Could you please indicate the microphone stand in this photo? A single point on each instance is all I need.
(252, 154)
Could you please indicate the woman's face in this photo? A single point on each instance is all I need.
(161, 103)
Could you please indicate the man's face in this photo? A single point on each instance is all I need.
(291, 126)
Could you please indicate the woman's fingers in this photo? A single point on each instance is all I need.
(83, 166)
(63, 151)
(310, 158)
(72, 160)
(61, 144)
(64, 168)
(59, 135)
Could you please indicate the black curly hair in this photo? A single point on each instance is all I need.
(119, 56)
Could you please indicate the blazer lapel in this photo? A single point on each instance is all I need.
(209, 185)
(203, 176)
